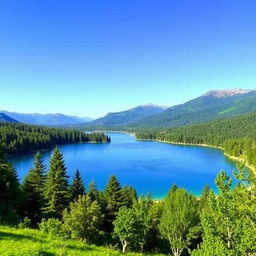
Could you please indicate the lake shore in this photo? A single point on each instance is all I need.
(129, 133)
(234, 158)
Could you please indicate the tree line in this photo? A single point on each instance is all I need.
(181, 224)
(237, 136)
(16, 139)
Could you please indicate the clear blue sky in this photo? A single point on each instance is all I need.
(90, 57)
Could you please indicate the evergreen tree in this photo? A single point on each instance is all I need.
(128, 195)
(10, 194)
(114, 200)
(56, 188)
(204, 199)
(77, 187)
(92, 192)
(33, 187)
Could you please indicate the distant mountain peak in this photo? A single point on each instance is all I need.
(153, 106)
(226, 93)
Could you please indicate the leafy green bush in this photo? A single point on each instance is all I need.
(52, 227)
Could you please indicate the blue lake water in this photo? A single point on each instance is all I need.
(149, 166)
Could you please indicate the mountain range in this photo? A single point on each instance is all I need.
(213, 105)
(46, 119)
(5, 118)
(127, 117)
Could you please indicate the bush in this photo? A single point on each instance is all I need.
(83, 220)
(52, 227)
(26, 223)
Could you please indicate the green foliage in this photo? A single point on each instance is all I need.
(207, 226)
(92, 192)
(56, 187)
(114, 200)
(33, 188)
(83, 219)
(126, 227)
(26, 223)
(229, 222)
(129, 196)
(142, 211)
(10, 193)
(180, 216)
(237, 136)
(21, 138)
(77, 187)
(28, 242)
(52, 227)
(202, 109)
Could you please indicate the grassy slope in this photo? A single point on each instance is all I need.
(28, 242)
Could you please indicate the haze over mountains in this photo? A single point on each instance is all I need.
(5, 118)
(45, 119)
(213, 105)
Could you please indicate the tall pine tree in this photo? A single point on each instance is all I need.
(10, 196)
(93, 193)
(114, 200)
(33, 186)
(56, 188)
(77, 187)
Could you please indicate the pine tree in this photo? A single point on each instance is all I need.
(114, 200)
(128, 195)
(10, 194)
(33, 186)
(56, 187)
(92, 191)
(77, 187)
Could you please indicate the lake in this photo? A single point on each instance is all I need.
(149, 166)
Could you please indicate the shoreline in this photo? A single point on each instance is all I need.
(234, 158)
(129, 133)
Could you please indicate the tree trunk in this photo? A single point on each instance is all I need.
(177, 252)
(124, 246)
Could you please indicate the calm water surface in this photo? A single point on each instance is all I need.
(151, 167)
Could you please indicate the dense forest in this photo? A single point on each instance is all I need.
(181, 224)
(21, 138)
(237, 136)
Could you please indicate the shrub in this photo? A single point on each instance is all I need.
(52, 227)
(26, 223)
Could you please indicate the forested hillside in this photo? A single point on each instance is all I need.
(214, 105)
(115, 217)
(237, 136)
(126, 117)
(22, 139)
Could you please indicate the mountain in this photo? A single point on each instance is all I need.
(86, 119)
(45, 119)
(5, 118)
(213, 105)
(126, 117)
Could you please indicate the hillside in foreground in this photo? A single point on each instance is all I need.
(27, 242)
